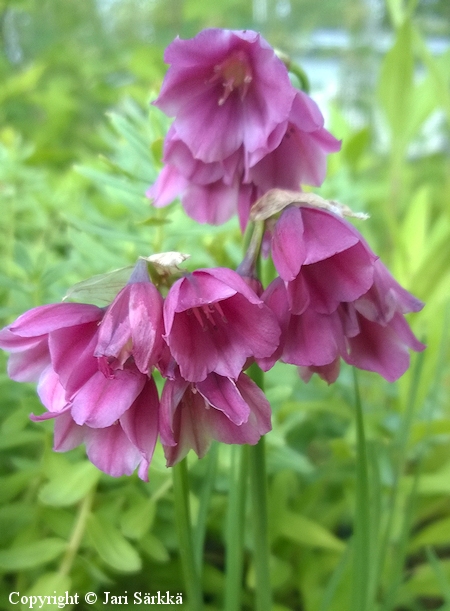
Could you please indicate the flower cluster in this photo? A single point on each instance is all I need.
(240, 130)
(240, 127)
(335, 299)
(94, 368)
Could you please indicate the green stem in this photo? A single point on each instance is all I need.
(205, 497)
(235, 527)
(361, 541)
(184, 532)
(261, 550)
(77, 535)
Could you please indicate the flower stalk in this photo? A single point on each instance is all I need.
(185, 540)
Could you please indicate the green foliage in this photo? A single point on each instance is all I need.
(358, 517)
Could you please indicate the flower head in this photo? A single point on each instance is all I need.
(334, 299)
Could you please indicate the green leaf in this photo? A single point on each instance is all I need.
(304, 531)
(111, 545)
(120, 183)
(136, 521)
(32, 555)
(50, 584)
(154, 548)
(437, 533)
(70, 484)
(395, 85)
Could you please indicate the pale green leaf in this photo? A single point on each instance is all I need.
(304, 531)
(70, 484)
(111, 546)
(32, 555)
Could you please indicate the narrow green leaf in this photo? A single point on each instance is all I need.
(32, 555)
(70, 484)
(305, 531)
(154, 548)
(111, 545)
(50, 584)
(395, 84)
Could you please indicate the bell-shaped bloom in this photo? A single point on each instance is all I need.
(335, 299)
(301, 156)
(133, 324)
(27, 338)
(192, 415)
(295, 154)
(214, 322)
(115, 412)
(118, 448)
(227, 90)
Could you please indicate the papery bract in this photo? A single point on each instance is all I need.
(192, 415)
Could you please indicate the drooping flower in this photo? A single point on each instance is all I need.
(300, 157)
(334, 299)
(27, 338)
(295, 154)
(214, 322)
(110, 410)
(227, 90)
(192, 415)
(132, 324)
(118, 448)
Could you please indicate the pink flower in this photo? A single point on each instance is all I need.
(300, 157)
(119, 448)
(27, 338)
(214, 322)
(219, 408)
(226, 89)
(116, 414)
(132, 325)
(212, 192)
(334, 299)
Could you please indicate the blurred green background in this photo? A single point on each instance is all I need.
(79, 144)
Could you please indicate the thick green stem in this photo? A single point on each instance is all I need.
(235, 528)
(361, 541)
(261, 550)
(205, 497)
(184, 532)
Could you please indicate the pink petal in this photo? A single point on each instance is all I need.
(68, 435)
(222, 394)
(288, 247)
(47, 318)
(141, 424)
(28, 365)
(101, 401)
(110, 450)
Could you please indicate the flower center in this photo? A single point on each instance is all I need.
(207, 315)
(235, 73)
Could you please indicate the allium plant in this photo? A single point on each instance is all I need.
(243, 141)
